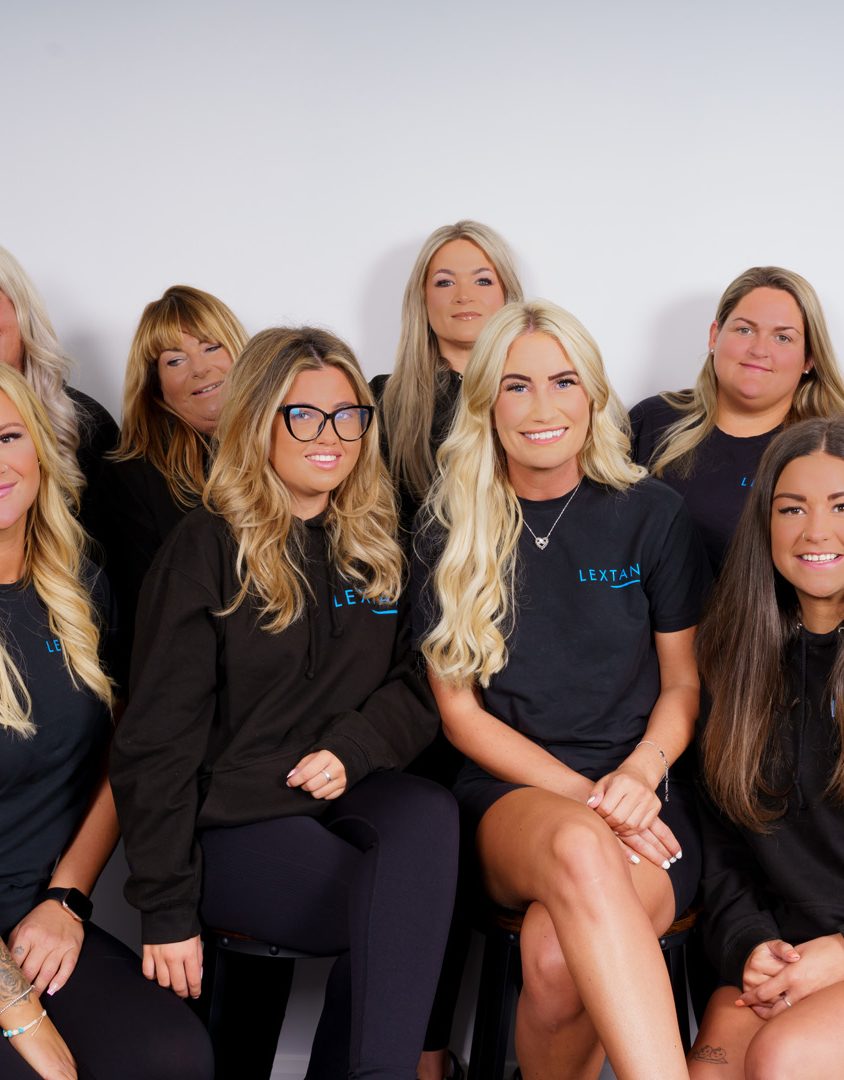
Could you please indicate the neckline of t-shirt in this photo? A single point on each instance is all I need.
(747, 438)
(11, 586)
(541, 504)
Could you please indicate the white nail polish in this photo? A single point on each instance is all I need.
(666, 865)
(51, 989)
(679, 854)
(673, 859)
(635, 859)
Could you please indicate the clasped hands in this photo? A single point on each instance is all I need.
(625, 800)
(778, 975)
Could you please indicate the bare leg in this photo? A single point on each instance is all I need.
(535, 845)
(433, 1065)
(806, 1041)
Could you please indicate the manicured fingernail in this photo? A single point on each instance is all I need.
(635, 859)
(51, 989)
(666, 865)
(679, 854)
(292, 773)
(740, 1003)
(591, 799)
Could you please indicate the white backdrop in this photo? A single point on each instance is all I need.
(291, 158)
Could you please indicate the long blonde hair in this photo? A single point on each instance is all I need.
(244, 489)
(53, 559)
(819, 393)
(46, 367)
(151, 429)
(409, 396)
(473, 502)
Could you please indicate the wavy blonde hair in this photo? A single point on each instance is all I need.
(244, 489)
(45, 366)
(407, 408)
(151, 429)
(53, 562)
(819, 393)
(473, 502)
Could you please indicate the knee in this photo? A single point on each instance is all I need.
(584, 857)
(774, 1054)
(548, 987)
(179, 1051)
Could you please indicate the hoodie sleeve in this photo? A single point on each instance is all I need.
(159, 747)
(735, 919)
(396, 721)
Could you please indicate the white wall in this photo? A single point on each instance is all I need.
(291, 158)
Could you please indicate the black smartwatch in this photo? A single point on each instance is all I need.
(74, 902)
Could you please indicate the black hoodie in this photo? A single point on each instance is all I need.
(220, 709)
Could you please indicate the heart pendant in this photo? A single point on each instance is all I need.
(541, 542)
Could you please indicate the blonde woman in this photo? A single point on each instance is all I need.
(464, 273)
(84, 429)
(176, 384)
(770, 363)
(273, 701)
(558, 589)
(70, 995)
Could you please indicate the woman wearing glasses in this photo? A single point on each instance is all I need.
(273, 702)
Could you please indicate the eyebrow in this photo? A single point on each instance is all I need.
(802, 498)
(13, 424)
(338, 405)
(527, 378)
(480, 270)
(751, 322)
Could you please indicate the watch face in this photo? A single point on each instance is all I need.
(78, 904)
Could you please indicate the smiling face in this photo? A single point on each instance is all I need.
(462, 290)
(11, 346)
(541, 417)
(760, 353)
(312, 470)
(20, 475)
(193, 381)
(807, 536)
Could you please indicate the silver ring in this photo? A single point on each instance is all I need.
(327, 775)
(784, 996)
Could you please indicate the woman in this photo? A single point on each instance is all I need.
(176, 384)
(84, 430)
(273, 698)
(70, 995)
(773, 766)
(557, 621)
(463, 275)
(770, 363)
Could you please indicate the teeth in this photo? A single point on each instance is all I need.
(826, 557)
(322, 457)
(542, 436)
(207, 389)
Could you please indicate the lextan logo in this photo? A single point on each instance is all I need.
(617, 577)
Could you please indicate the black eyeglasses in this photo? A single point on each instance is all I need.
(305, 422)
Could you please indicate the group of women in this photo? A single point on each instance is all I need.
(316, 579)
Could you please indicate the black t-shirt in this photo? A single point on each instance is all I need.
(721, 477)
(46, 781)
(98, 434)
(582, 674)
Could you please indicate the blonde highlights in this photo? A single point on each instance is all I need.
(473, 503)
(409, 396)
(54, 543)
(243, 488)
(150, 428)
(819, 393)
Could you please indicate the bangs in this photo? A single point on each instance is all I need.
(164, 321)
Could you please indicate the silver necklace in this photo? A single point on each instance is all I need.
(542, 541)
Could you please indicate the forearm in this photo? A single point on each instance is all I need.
(94, 841)
(670, 729)
(499, 749)
(14, 985)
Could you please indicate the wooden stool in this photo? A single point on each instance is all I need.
(501, 980)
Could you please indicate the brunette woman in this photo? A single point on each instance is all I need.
(773, 766)
(558, 590)
(72, 1001)
(770, 363)
(176, 383)
(84, 430)
(273, 702)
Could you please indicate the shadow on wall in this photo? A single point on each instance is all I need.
(676, 345)
(111, 911)
(380, 308)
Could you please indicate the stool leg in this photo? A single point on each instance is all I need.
(499, 986)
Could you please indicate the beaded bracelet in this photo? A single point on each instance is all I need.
(10, 1033)
(14, 1001)
(659, 750)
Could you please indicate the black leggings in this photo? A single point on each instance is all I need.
(118, 1025)
(371, 880)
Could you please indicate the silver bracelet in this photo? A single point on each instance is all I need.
(661, 752)
(14, 1001)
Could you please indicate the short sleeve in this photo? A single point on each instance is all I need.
(680, 577)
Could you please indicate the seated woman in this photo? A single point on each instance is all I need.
(70, 995)
(558, 589)
(84, 430)
(772, 658)
(770, 363)
(273, 700)
(176, 383)
(463, 275)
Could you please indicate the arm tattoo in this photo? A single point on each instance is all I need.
(13, 982)
(710, 1055)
